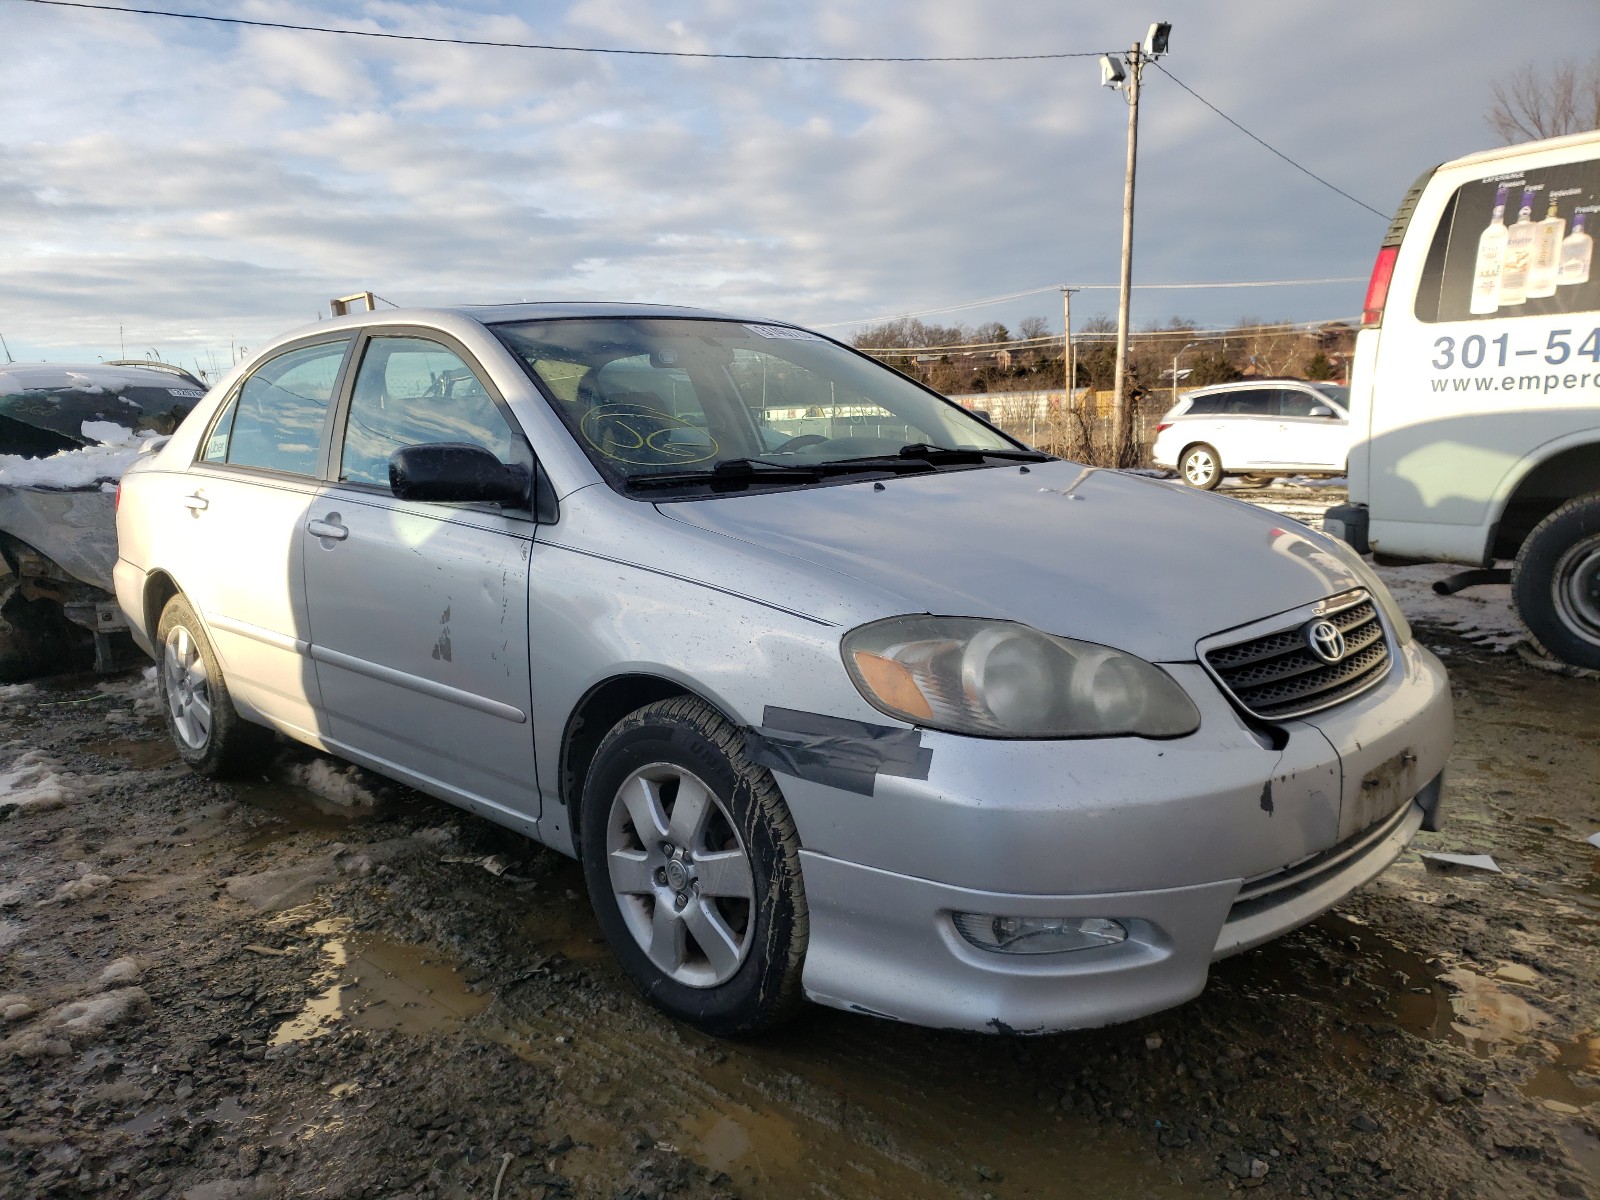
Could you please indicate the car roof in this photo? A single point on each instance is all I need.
(501, 314)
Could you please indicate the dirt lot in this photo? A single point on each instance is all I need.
(319, 985)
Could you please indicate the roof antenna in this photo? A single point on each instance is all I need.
(9, 359)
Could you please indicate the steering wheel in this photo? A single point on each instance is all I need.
(799, 443)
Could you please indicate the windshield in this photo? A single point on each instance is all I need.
(654, 401)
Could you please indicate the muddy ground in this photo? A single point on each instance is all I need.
(321, 985)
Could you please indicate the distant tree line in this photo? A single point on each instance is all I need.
(960, 359)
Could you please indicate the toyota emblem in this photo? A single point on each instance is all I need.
(1326, 641)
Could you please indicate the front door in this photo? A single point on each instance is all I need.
(419, 611)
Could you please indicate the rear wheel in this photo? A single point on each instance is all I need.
(693, 868)
(1556, 582)
(1201, 467)
(209, 733)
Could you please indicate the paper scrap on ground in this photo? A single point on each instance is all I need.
(495, 864)
(1478, 862)
(1594, 840)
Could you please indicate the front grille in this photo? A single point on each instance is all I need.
(1278, 676)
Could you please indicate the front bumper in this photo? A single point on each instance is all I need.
(910, 964)
(1202, 846)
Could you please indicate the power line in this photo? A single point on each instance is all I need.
(1052, 341)
(455, 41)
(1274, 149)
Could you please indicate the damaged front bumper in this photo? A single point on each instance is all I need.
(1199, 848)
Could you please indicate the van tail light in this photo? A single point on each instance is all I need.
(1163, 426)
(116, 497)
(1378, 286)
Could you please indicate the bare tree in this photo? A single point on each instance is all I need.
(1034, 327)
(1546, 100)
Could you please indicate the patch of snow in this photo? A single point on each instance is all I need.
(1483, 614)
(99, 1013)
(12, 693)
(109, 433)
(35, 780)
(341, 785)
(142, 692)
(14, 1006)
(78, 889)
(68, 468)
(10, 931)
(124, 970)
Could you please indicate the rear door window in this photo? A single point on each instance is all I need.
(276, 419)
(1250, 403)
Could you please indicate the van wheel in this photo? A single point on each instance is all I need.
(1556, 582)
(693, 868)
(1201, 467)
(209, 733)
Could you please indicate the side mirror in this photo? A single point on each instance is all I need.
(1320, 410)
(456, 472)
(983, 415)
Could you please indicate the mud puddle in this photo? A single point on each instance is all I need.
(370, 982)
(293, 810)
(143, 755)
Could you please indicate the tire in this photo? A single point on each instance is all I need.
(1556, 582)
(1200, 467)
(1252, 481)
(209, 733)
(730, 964)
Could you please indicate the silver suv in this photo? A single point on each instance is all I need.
(1255, 429)
(836, 691)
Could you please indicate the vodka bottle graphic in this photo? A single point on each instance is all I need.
(1576, 254)
(1519, 255)
(1491, 252)
(1546, 254)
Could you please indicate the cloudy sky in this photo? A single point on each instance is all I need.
(184, 187)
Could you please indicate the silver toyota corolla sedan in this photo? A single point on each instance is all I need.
(837, 692)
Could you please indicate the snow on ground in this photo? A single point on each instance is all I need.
(1480, 614)
(345, 786)
(141, 692)
(37, 780)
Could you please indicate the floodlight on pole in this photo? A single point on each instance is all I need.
(1111, 73)
(1155, 42)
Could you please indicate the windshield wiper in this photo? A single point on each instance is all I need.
(730, 472)
(944, 454)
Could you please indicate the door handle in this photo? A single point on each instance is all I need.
(327, 530)
(196, 502)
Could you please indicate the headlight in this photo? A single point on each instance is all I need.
(1380, 591)
(1001, 679)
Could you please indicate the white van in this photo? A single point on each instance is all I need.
(1475, 388)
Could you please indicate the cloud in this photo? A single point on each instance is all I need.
(202, 182)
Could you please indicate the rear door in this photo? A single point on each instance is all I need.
(1246, 427)
(239, 558)
(1312, 432)
(419, 611)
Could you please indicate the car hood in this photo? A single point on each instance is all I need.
(1123, 560)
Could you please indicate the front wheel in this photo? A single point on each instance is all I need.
(693, 869)
(1201, 467)
(1556, 582)
(209, 733)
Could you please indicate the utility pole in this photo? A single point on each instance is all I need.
(1112, 75)
(1068, 365)
(1121, 451)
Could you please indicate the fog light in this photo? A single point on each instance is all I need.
(1038, 935)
